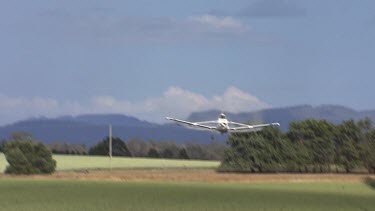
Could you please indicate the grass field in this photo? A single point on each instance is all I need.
(74, 162)
(23, 194)
(160, 184)
(3, 162)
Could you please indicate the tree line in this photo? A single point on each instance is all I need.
(135, 147)
(165, 149)
(308, 146)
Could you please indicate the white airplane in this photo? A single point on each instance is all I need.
(223, 125)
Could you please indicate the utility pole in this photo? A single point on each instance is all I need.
(110, 147)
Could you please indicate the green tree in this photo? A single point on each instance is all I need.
(349, 137)
(303, 159)
(119, 148)
(322, 154)
(249, 152)
(349, 156)
(28, 157)
(315, 141)
(367, 151)
(153, 153)
(167, 153)
(285, 155)
(365, 125)
(197, 151)
(182, 154)
(137, 147)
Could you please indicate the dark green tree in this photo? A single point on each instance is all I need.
(182, 154)
(28, 157)
(365, 125)
(303, 159)
(119, 148)
(322, 154)
(315, 141)
(349, 155)
(250, 152)
(153, 153)
(197, 151)
(349, 137)
(167, 153)
(367, 151)
(309, 146)
(285, 152)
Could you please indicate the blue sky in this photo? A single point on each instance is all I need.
(154, 58)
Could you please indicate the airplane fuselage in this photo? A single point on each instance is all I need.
(222, 124)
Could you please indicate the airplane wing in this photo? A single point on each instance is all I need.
(249, 128)
(196, 124)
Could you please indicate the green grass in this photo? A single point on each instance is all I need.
(66, 162)
(3, 162)
(21, 194)
(72, 162)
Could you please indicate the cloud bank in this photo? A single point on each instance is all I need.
(108, 27)
(175, 101)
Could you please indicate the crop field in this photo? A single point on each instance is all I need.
(160, 184)
(76, 162)
(24, 194)
(3, 162)
(68, 162)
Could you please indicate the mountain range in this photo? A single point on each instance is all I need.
(332, 113)
(91, 128)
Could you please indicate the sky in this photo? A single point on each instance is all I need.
(151, 59)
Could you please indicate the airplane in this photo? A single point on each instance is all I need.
(223, 125)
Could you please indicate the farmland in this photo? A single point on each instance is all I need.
(3, 162)
(68, 162)
(84, 183)
(75, 162)
(24, 194)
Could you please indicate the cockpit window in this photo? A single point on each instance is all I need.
(222, 116)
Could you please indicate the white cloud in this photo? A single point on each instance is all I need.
(226, 23)
(18, 108)
(175, 101)
(179, 102)
(107, 27)
(236, 100)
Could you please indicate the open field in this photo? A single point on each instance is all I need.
(68, 162)
(76, 162)
(26, 194)
(3, 162)
(157, 184)
(194, 175)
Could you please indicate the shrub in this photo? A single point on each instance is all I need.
(28, 157)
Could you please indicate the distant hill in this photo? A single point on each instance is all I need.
(105, 119)
(90, 129)
(332, 113)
